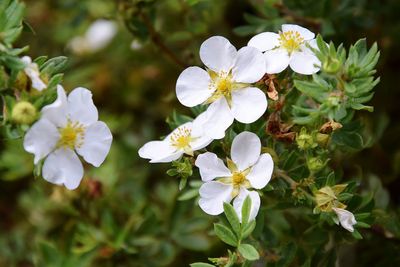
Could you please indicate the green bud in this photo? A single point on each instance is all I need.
(315, 164)
(333, 101)
(322, 139)
(23, 113)
(332, 65)
(305, 140)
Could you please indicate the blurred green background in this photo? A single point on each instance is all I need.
(126, 212)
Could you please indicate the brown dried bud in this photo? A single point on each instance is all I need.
(329, 127)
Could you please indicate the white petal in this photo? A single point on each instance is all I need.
(245, 150)
(41, 139)
(255, 203)
(63, 167)
(96, 144)
(218, 54)
(346, 219)
(56, 112)
(219, 118)
(276, 60)
(248, 104)
(211, 167)
(37, 82)
(26, 60)
(159, 151)
(199, 133)
(213, 195)
(264, 41)
(249, 66)
(81, 107)
(201, 142)
(100, 33)
(192, 86)
(305, 33)
(261, 172)
(304, 63)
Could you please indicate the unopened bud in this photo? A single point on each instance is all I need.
(23, 113)
(322, 139)
(315, 164)
(305, 140)
(332, 65)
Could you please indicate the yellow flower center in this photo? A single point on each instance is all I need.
(290, 40)
(224, 85)
(238, 178)
(71, 135)
(181, 139)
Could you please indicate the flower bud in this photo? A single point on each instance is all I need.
(23, 113)
(315, 164)
(322, 139)
(332, 65)
(21, 82)
(333, 101)
(305, 140)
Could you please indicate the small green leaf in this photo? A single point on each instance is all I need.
(246, 208)
(248, 229)
(201, 264)
(356, 234)
(232, 217)
(248, 252)
(188, 194)
(225, 234)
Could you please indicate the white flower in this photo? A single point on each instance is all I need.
(345, 218)
(225, 85)
(32, 71)
(98, 35)
(183, 140)
(288, 47)
(66, 127)
(247, 169)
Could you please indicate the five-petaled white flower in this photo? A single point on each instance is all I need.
(66, 126)
(225, 85)
(183, 140)
(288, 47)
(345, 218)
(247, 169)
(98, 35)
(32, 71)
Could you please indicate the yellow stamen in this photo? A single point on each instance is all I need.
(181, 139)
(290, 40)
(71, 135)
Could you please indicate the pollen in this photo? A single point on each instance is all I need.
(71, 135)
(181, 138)
(290, 40)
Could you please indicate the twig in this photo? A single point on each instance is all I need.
(157, 40)
(281, 173)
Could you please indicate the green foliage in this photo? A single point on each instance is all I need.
(126, 213)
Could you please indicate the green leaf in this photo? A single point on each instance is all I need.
(246, 208)
(232, 217)
(201, 264)
(248, 252)
(192, 193)
(356, 234)
(225, 234)
(54, 65)
(248, 229)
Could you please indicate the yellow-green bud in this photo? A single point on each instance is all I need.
(315, 164)
(332, 65)
(305, 140)
(322, 139)
(23, 113)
